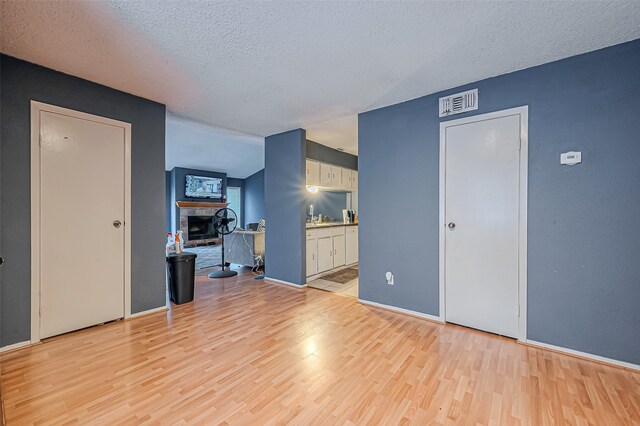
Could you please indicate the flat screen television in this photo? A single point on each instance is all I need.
(203, 187)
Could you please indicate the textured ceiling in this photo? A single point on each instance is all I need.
(267, 67)
(200, 146)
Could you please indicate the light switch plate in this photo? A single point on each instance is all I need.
(571, 158)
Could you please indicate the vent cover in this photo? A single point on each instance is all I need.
(458, 103)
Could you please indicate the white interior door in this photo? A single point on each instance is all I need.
(482, 169)
(82, 193)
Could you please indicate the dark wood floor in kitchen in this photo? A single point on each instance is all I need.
(250, 352)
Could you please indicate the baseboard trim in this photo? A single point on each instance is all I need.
(409, 312)
(275, 281)
(17, 346)
(583, 355)
(148, 312)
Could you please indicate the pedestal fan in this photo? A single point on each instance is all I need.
(224, 222)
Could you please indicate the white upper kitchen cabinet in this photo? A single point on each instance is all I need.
(336, 177)
(346, 178)
(354, 180)
(313, 172)
(326, 174)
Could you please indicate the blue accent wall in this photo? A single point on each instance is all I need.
(168, 198)
(22, 82)
(327, 203)
(284, 180)
(178, 188)
(254, 198)
(583, 221)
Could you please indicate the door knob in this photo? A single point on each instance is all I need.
(1, 260)
(117, 224)
(451, 225)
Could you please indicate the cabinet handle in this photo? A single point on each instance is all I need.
(313, 256)
(335, 251)
(330, 253)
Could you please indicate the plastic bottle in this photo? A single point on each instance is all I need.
(170, 244)
(179, 243)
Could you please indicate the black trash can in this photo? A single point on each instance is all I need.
(182, 274)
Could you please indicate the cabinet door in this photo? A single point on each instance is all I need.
(346, 178)
(354, 180)
(325, 174)
(336, 176)
(313, 173)
(325, 254)
(338, 251)
(312, 257)
(351, 245)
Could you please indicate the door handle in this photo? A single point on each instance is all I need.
(451, 225)
(117, 224)
(1, 260)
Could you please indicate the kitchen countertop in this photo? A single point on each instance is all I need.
(329, 225)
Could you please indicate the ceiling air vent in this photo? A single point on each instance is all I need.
(460, 102)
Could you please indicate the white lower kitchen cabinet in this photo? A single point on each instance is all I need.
(325, 253)
(312, 257)
(338, 250)
(351, 245)
(330, 248)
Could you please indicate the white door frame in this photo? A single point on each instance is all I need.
(36, 109)
(523, 113)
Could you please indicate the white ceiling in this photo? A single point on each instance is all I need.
(268, 67)
(200, 146)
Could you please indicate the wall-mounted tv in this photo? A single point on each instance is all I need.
(203, 187)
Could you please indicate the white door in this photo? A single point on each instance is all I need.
(338, 251)
(312, 257)
(325, 254)
(482, 161)
(82, 194)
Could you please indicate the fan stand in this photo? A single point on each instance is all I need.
(223, 273)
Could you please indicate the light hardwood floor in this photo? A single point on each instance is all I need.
(250, 352)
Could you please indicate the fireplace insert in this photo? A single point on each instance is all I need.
(200, 228)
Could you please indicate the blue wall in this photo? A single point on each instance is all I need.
(22, 82)
(254, 198)
(168, 198)
(327, 203)
(284, 181)
(178, 186)
(584, 221)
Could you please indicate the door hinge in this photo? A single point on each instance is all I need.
(518, 310)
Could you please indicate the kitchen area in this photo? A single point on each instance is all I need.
(332, 228)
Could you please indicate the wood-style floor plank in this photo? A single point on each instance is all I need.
(250, 352)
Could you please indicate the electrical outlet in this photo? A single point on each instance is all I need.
(389, 277)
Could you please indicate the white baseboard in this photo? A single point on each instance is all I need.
(403, 311)
(148, 312)
(15, 346)
(584, 355)
(275, 281)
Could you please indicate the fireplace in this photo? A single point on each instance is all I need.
(194, 220)
(200, 228)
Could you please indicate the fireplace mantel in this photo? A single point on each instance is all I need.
(191, 204)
